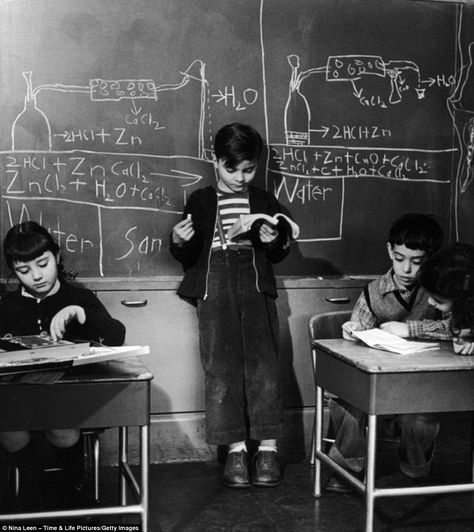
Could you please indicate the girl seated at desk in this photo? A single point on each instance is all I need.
(448, 276)
(45, 303)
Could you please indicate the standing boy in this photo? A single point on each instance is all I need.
(396, 303)
(234, 289)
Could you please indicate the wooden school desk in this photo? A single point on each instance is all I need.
(102, 395)
(381, 383)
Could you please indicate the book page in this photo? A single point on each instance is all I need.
(390, 342)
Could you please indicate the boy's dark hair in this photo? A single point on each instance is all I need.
(237, 142)
(417, 231)
(450, 275)
(27, 241)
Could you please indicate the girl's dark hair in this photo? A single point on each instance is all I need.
(450, 275)
(27, 241)
(236, 143)
(417, 231)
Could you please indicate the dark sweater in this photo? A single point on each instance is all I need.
(20, 315)
(194, 255)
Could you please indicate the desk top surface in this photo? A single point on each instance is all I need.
(128, 370)
(377, 361)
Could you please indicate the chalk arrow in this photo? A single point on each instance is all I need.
(134, 109)
(324, 130)
(429, 81)
(355, 91)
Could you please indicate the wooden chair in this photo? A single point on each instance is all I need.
(324, 325)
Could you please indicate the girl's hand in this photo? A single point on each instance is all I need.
(463, 347)
(183, 231)
(267, 234)
(63, 317)
(395, 327)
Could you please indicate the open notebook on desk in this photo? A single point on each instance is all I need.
(37, 353)
(379, 339)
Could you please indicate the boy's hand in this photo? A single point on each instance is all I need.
(267, 233)
(63, 317)
(183, 231)
(395, 327)
(347, 329)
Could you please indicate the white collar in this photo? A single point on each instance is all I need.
(54, 290)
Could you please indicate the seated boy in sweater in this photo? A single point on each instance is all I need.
(396, 303)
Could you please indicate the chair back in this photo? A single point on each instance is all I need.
(326, 325)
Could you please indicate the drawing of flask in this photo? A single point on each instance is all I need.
(31, 129)
(297, 115)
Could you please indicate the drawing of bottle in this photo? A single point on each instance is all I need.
(31, 129)
(297, 115)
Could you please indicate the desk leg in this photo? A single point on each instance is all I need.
(144, 463)
(123, 451)
(370, 472)
(313, 432)
(318, 437)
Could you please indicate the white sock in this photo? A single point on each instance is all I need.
(237, 447)
(268, 448)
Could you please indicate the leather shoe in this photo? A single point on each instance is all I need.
(266, 469)
(338, 485)
(236, 473)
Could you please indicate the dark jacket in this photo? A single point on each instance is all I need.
(195, 254)
(20, 315)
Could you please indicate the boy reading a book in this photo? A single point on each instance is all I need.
(449, 279)
(234, 288)
(45, 303)
(396, 303)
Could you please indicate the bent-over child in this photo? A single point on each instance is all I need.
(234, 288)
(45, 304)
(448, 277)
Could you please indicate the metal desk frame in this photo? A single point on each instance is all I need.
(109, 394)
(379, 383)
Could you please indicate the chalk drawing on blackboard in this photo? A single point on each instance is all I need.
(461, 107)
(346, 68)
(304, 172)
(39, 172)
(31, 129)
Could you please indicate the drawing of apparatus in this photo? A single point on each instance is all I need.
(31, 129)
(467, 172)
(349, 68)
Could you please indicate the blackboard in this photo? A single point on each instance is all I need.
(108, 111)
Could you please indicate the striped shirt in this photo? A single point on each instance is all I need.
(230, 208)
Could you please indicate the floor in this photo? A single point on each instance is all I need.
(189, 497)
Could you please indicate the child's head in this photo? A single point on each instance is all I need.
(448, 276)
(237, 148)
(33, 256)
(412, 238)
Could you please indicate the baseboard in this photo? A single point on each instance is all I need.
(181, 438)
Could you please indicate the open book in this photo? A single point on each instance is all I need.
(390, 342)
(246, 221)
(58, 355)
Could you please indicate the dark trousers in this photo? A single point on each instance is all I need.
(417, 436)
(238, 330)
